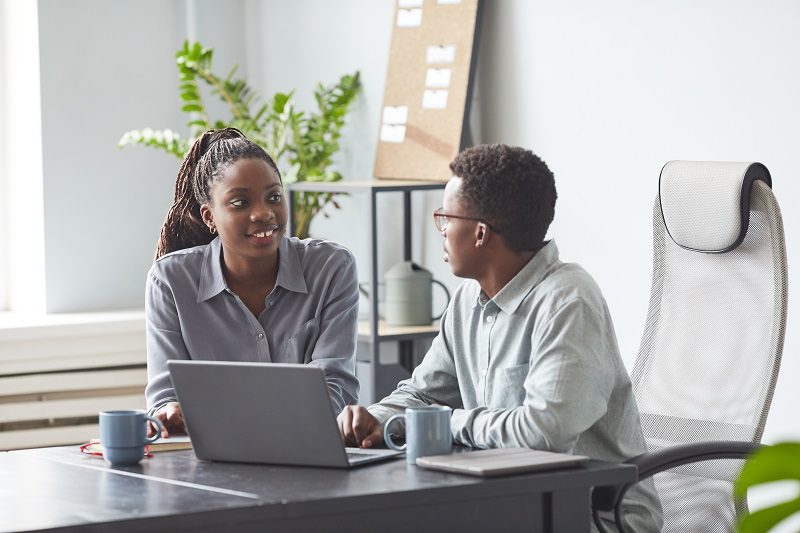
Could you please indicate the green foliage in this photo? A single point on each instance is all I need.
(780, 462)
(302, 143)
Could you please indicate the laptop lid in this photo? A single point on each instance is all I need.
(259, 413)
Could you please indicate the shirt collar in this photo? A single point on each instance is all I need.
(212, 279)
(290, 270)
(511, 296)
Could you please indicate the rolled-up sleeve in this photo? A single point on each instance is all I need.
(164, 341)
(335, 347)
(567, 388)
(434, 381)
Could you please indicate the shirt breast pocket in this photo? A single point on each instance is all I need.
(510, 386)
(300, 346)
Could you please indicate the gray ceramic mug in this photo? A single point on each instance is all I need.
(123, 435)
(427, 432)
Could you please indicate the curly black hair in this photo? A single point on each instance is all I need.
(510, 188)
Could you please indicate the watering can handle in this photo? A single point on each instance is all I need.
(447, 294)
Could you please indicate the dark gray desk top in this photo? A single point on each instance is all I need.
(60, 487)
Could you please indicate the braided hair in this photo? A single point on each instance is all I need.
(204, 163)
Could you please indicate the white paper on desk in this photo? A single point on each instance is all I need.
(395, 114)
(434, 99)
(393, 133)
(441, 53)
(437, 77)
(409, 18)
(409, 3)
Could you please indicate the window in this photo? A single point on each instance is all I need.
(3, 193)
(21, 198)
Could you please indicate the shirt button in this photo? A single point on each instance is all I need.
(260, 336)
(271, 302)
(489, 319)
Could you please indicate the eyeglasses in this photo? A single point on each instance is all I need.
(440, 220)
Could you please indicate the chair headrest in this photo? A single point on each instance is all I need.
(706, 204)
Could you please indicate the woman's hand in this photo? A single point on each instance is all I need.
(171, 418)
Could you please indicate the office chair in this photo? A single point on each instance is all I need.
(711, 349)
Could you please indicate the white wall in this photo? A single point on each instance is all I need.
(106, 67)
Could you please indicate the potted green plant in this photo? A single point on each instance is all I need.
(303, 143)
(780, 462)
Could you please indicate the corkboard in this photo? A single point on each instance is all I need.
(425, 107)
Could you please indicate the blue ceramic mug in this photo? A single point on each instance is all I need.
(427, 432)
(123, 435)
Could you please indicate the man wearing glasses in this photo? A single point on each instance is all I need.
(526, 355)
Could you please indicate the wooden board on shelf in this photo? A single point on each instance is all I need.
(388, 332)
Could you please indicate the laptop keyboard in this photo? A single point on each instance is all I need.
(357, 455)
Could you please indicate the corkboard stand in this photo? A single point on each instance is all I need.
(428, 88)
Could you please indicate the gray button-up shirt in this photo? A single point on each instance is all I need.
(310, 317)
(536, 366)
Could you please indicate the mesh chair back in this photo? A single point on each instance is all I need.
(709, 357)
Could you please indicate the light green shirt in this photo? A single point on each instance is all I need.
(536, 366)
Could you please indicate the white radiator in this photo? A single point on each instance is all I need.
(57, 372)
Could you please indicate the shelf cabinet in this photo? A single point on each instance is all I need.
(378, 379)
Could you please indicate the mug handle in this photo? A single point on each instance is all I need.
(388, 438)
(446, 293)
(157, 423)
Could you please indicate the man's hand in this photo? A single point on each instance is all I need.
(359, 428)
(171, 418)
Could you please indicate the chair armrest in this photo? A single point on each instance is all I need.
(651, 463)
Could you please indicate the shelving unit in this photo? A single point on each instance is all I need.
(377, 380)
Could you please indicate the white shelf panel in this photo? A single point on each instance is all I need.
(387, 332)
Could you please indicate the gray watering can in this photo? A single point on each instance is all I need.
(409, 295)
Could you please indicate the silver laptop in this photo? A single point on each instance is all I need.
(263, 413)
(500, 461)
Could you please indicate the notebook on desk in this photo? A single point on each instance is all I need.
(500, 461)
(263, 413)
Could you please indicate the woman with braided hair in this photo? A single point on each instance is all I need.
(229, 284)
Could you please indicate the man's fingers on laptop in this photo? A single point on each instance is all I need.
(345, 420)
(364, 426)
(373, 438)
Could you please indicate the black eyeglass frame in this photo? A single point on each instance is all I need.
(438, 213)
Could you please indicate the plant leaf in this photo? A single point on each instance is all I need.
(192, 107)
(303, 142)
(770, 463)
(765, 519)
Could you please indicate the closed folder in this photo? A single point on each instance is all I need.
(500, 461)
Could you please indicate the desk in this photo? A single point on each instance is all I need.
(60, 489)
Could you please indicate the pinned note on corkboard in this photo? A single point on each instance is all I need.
(428, 88)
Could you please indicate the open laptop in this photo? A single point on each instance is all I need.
(263, 413)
